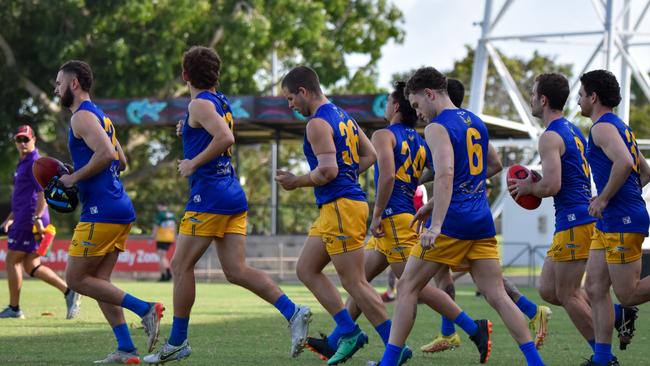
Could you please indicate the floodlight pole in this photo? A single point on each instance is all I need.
(479, 71)
(617, 34)
(625, 77)
(275, 149)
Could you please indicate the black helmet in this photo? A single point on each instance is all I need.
(59, 197)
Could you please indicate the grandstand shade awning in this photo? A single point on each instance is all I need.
(260, 119)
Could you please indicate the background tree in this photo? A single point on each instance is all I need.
(135, 50)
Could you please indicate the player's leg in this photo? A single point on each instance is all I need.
(539, 315)
(90, 243)
(189, 249)
(126, 351)
(165, 269)
(350, 268)
(389, 294)
(489, 280)
(448, 338)
(33, 266)
(568, 289)
(625, 276)
(597, 285)
(15, 283)
(374, 264)
(232, 256)
(415, 276)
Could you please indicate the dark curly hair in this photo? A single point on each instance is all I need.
(426, 78)
(202, 66)
(409, 115)
(456, 91)
(555, 87)
(81, 70)
(301, 77)
(604, 84)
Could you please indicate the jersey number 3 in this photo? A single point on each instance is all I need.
(351, 133)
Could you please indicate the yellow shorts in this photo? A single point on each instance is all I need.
(621, 247)
(457, 252)
(341, 225)
(212, 225)
(399, 239)
(94, 239)
(572, 244)
(371, 244)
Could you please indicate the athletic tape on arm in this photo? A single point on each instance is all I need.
(326, 160)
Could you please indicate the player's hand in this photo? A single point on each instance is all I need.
(428, 237)
(39, 226)
(6, 224)
(285, 179)
(179, 127)
(376, 228)
(67, 180)
(597, 206)
(186, 167)
(520, 187)
(422, 216)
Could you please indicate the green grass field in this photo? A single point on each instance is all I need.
(230, 326)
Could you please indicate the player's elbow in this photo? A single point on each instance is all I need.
(228, 139)
(329, 173)
(553, 188)
(627, 163)
(105, 156)
(495, 166)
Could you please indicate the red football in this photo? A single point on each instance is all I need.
(529, 201)
(46, 168)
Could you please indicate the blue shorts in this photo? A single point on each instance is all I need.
(21, 240)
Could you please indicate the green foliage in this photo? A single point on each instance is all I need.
(135, 50)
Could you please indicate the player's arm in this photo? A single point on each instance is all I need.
(367, 153)
(319, 135)
(644, 170)
(85, 126)
(122, 157)
(607, 138)
(443, 159)
(384, 142)
(550, 149)
(494, 165)
(8, 222)
(203, 114)
(40, 211)
(427, 175)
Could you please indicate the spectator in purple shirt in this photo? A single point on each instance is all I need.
(28, 215)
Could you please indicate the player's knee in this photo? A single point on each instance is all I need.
(235, 276)
(406, 287)
(548, 294)
(626, 297)
(595, 289)
(32, 269)
(352, 285)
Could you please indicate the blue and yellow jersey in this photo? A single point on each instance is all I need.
(468, 216)
(572, 201)
(214, 187)
(346, 140)
(411, 156)
(102, 196)
(626, 211)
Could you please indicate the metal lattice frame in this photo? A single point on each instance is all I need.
(617, 37)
